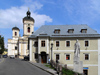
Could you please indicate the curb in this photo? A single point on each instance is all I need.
(42, 68)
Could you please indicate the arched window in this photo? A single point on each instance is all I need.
(15, 33)
(28, 29)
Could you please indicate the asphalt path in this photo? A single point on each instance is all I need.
(19, 67)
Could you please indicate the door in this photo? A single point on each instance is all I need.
(85, 72)
(43, 57)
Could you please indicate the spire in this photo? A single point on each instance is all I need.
(28, 13)
(28, 16)
(28, 8)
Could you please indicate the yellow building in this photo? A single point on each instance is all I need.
(19, 45)
(63, 38)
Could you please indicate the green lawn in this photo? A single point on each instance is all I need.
(64, 71)
(47, 65)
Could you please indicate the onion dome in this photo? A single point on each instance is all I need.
(15, 28)
(28, 17)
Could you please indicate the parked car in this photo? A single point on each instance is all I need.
(12, 57)
(26, 58)
(4, 56)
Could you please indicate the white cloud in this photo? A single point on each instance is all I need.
(13, 16)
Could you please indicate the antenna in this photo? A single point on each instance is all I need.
(28, 8)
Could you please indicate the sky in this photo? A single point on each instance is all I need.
(48, 12)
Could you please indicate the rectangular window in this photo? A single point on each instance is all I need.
(86, 56)
(57, 43)
(67, 56)
(57, 56)
(67, 43)
(42, 43)
(86, 43)
(15, 48)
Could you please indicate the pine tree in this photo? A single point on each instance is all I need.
(2, 48)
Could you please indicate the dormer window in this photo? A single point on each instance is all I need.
(70, 30)
(56, 31)
(15, 33)
(83, 30)
(28, 29)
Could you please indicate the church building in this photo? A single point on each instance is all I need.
(19, 45)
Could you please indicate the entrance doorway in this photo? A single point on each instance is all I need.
(43, 57)
(85, 72)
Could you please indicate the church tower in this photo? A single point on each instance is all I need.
(28, 24)
(15, 33)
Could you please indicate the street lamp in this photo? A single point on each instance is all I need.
(51, 51)
(0, 53)
(0, 48)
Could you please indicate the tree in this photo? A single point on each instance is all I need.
(2, 48)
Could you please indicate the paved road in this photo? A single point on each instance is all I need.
(19, 67)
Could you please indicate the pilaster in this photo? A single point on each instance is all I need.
(98, 56)
(30, 49)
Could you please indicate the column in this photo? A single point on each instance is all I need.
(47, 46)
(24, 48)
(20, 48)
(98, 56)
(30, 49)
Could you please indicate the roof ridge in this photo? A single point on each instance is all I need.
(67, 25)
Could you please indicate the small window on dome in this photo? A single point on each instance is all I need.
(15, 33)
(28, 29)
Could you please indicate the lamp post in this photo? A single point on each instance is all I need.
(0, 53)
(51, 51)
(0, 48)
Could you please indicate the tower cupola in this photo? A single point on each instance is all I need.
(28, 24)
(28, 17)
(15, 33)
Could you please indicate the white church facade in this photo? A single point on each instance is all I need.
(19, 45)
